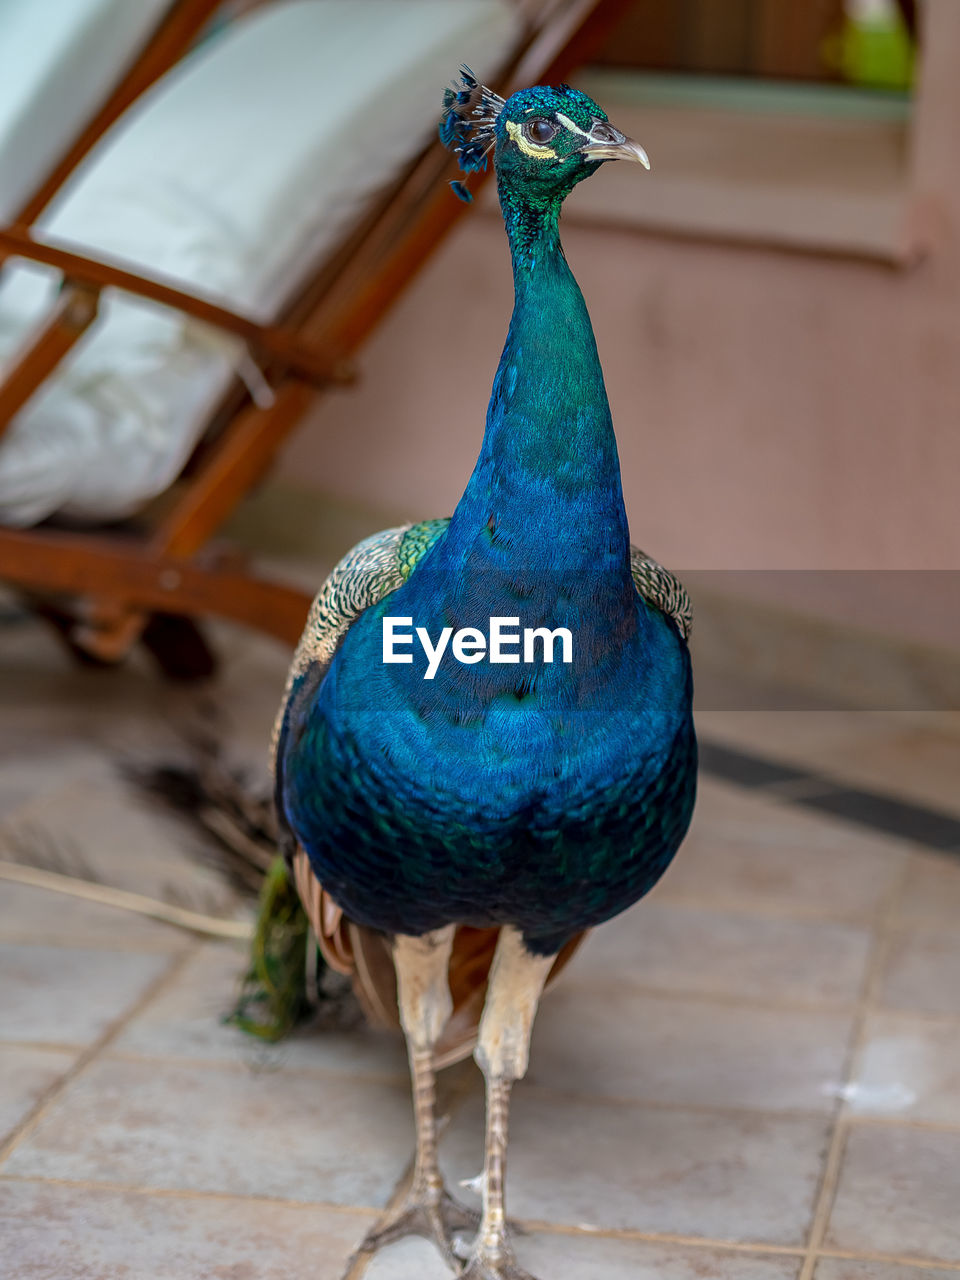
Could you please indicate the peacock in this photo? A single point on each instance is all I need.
(486, 744)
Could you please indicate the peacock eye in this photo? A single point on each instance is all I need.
(541, 131)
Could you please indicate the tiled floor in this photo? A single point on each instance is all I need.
(753, 1075)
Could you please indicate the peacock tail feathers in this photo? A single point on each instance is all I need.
(273, 997)
(366, 574)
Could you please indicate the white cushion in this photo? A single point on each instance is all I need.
(59, 60)
(233, 176)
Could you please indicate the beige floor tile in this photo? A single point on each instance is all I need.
(568, 1257)
(931, 897)
(248, 692)
(556, 1257)
(709, 1175)
(65, 995)
(688, 1052)
(99, 829)
(411, 1259)
(48, 765)
(913, 754)
(187, 1021)
(74, 1233)
(799, 737)
(344, 1141)
(734, 807)
(909, 1068)
(898, 1194)
(922, 973)
(43, 915)
(778, 857)
(919, 763)
(668, 947)
(54, 703)
(25, 1075)
(842, 1269)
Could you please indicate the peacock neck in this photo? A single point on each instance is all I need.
(548, 474)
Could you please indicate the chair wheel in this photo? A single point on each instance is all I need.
(179, 647)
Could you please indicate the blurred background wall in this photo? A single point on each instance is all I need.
(777, 307)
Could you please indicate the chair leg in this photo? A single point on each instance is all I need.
(176, 643)
(179, 647)
(64, 624)
(107, 630)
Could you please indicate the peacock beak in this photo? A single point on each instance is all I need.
(607, 143)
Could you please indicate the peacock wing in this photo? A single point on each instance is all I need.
(367, 573)
(662, 590)
(373, 569)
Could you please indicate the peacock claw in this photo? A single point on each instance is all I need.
(441, 1219)
(494, 1266)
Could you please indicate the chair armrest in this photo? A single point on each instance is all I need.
(273, 344)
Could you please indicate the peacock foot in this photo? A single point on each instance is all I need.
(436, 1216)
(498, 1264)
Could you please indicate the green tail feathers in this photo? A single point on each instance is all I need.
(274, 997)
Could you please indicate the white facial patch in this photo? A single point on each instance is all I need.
(568, 124)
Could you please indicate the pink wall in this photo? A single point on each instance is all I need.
(773, 410)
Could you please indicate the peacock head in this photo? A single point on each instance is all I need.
(543, 140)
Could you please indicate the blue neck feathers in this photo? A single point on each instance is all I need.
(546, 486)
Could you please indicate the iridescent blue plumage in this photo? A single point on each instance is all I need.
(545, 796)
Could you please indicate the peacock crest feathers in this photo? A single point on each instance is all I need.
(469, 124)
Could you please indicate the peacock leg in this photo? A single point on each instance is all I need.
(423, 993)
(503, 1050)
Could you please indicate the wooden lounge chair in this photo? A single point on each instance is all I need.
(107, 588)
(95, 58)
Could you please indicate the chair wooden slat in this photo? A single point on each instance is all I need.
(111, 578)
(74, 313)
(283, 347)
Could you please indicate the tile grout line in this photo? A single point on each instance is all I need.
(733, 1111)
(48, 1099)
(240, 1066)
(749, 1247)
(550, 1093)
(770, 1004)
(891, 1259)
(531, 1089)
(730, 1246)
(626, 986)
(529, 1225)
(43, 1046)
(182, 1193)
(572, 982)
(830, 1181)
(734, 905)
(68, 942)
